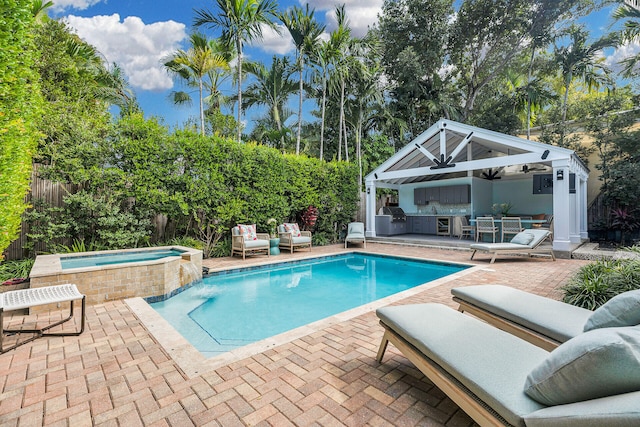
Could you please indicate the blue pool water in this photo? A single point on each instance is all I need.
(227, 311)
(117, 258)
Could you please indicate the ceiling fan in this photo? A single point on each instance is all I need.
(490, 174)
(527, 169)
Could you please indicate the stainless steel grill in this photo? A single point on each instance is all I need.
(397, 214)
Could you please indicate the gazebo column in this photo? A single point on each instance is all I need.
(371, 209)
(561, 207)
(584, 225)
(580, 216)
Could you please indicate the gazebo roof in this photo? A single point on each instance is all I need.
(453, 148)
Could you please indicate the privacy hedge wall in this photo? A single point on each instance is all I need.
(20, 106)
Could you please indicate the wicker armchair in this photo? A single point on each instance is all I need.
(243, 246)
(291, 237)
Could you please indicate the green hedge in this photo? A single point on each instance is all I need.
(204, 186)
(20, 106)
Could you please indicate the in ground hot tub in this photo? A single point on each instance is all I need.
(110, 275)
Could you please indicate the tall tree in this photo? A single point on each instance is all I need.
(305, 32)
(343, 42)
(581, 59)
(323, 58)
(272, 88)
(630, 33)
(414, 36)
(194, 66)
(241, 21)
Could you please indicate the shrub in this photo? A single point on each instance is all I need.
(14, 269)
(596, 283)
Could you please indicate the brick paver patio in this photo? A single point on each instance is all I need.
(117, 373)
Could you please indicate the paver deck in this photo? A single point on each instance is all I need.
(117, 373)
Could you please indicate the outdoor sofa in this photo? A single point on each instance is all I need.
(499, 379)
(526, 242)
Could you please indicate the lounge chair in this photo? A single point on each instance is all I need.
(292, 238)
(26, 298)
(526, 242)
(245, 241)
(499, 379)
(542, 321)
(355, 234)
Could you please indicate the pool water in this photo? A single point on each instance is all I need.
(117, 258)
(228, 311)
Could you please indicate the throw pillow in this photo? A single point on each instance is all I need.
(621, 310)
(598, 363)
(522, 238)
(292, 228)
(248, 232)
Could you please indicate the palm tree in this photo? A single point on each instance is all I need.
(630, 33)
(193, 65)
(305, 31)
(342, 42)
(322, 58)
(367, 93)
(240, 21)
(114, 88)
(272, 88)
(582, 60)
(39, 9)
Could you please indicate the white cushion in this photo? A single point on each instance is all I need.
(598, 363)
(621, 310)
(522, 238)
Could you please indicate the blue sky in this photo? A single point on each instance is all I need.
(137, 34)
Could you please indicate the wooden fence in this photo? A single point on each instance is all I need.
(51, 192)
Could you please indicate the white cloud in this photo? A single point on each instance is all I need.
(272, 42)
(60, 5)
(136, 47)
(361, 14)
(621, 53)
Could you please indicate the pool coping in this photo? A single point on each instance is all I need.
(193, 363)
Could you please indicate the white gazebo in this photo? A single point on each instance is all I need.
(498, 168)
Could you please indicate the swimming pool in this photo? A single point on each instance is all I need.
(228, 311)
(117, 257)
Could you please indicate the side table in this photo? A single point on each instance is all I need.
(274, 249)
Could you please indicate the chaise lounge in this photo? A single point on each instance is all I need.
(501, 380)
(542, 321)
(526, 242)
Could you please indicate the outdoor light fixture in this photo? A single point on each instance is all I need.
(560, 174)
(368, 191)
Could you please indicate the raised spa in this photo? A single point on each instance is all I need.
(110, 275)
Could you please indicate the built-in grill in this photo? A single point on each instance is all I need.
(397, 214)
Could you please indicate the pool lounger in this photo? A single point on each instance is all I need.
(26, 298)
(484, 370)
(527, 242)
(542, 321)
